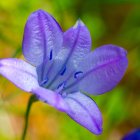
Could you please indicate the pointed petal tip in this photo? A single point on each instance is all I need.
(118, 49)
(99, 132)
(79, 22)
(99, 129)
(38, 11)
(121, 50)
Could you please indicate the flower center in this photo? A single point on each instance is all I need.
(56, 75)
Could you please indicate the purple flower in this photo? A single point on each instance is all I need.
(61, 67)
(133, 135)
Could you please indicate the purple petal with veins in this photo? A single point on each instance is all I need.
(85, 112)
(42, 36)
(102, 70)
(21, 73)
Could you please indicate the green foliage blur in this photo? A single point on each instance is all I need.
(110, 22)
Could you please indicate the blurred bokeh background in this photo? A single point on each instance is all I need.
(110, 22)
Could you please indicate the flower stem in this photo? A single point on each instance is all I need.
(32, 99)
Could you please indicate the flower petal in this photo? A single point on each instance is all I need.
(78, 106)
(85, 112)
(42, 37)
(77, 42)
(102, 69)
(50, 97)
(22, 74)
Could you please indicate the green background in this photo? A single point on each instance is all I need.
(110, 22)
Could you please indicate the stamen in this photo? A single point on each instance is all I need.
(77, 73)
(44, 82)
(63, 70)
(51, 54)
(61, 85)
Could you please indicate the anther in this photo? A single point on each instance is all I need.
(51, 55)
(63, 70)
(44, 82)
(61, 85)
(77, 73)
